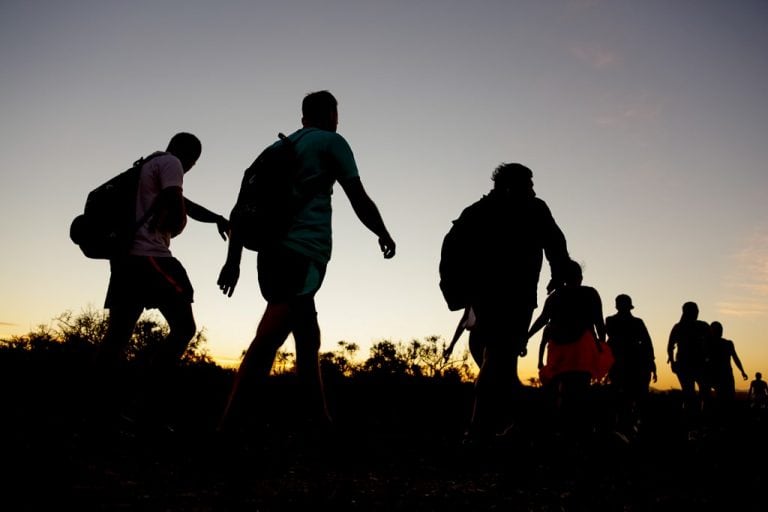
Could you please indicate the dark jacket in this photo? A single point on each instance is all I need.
(495, 249)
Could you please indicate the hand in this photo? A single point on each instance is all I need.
(745, 376)
(447, 353)
(655, 378)
(387, 246)
(553, 285)
(222, 224)
(228, 277)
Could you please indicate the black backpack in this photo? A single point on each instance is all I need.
(108, 223)
(268, 200)
(456, 265)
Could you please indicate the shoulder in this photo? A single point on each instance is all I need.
(165, 167)
(164, 162)
(477, 209)
(539, 206)
(324, 138)
(590, 291)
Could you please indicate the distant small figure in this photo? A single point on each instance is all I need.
(758, 393)
(574, 342)
(687, 355)
(720, 373)
(634, 364)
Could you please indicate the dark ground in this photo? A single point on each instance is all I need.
(398, 447)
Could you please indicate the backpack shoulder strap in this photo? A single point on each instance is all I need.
(139, 163)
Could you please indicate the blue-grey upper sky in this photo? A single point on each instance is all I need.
(645, 124)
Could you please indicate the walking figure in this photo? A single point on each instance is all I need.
(574, 342)
(634, 365)
(291, 271)
(150, 277)
(687, 357)
(490, 265)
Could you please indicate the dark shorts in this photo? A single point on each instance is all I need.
(285, 275)
(148, 281)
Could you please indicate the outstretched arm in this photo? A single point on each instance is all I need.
(555, 249)
(542, 348)
(230, 272)
(737, 361)
(647, 343)
(462, 325)
(671, 346)
(368, 213)
(541, 320)
(598, 320)
(202, 214)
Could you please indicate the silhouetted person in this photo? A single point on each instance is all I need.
(508, 233)
(149, 277)
(574, 342)
(291, 271)
(720, 373)
(758, 393)
(687, 354)
(634, 364)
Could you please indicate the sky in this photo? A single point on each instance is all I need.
(645, 125)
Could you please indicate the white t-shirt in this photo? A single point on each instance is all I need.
(158, 174)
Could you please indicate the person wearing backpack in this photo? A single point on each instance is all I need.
(292, 267)
(491, 260)
(150, 277)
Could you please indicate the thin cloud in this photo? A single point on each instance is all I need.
(595, 56)
(584, 4)
(7, 324)
(749, 280)
(639, 111)
(629, 111)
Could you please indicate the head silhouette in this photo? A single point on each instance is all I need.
(690, 311)
(717, 329)
(320, 110)
(513, 179)
(186, 147)
(758, 375)
(572, 274)
(624, 303)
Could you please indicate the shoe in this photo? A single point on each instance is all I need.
(510, 430)
(621, 437)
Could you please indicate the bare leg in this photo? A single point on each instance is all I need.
(181, 323)
(158, 376)
(502, 336)
(108, 379)
(273, 329)
(306, 333)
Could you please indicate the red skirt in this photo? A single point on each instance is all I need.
(583, 355)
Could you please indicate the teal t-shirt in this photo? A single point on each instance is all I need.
(326, 159)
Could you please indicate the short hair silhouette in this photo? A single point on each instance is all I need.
(511, 176)
(690, 311)
(317, 107)
(572, 272)
(185, 144)
(624, 302)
